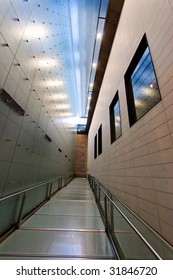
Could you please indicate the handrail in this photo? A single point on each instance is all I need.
(139, 218)
(31, 188)
(134, 228)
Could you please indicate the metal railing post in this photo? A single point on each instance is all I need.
(108, 197)
(112, 217)
(106, 213)
(21, 210)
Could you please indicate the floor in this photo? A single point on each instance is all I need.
(69, 226)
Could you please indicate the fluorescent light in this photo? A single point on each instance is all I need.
(99, 36)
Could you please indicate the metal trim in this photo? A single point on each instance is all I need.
(57, 256)
(61, 229)
(31, 188)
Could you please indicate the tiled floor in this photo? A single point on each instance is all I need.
(68, 226)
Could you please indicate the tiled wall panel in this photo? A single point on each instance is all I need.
(81, 155)
(138, 166)
(26, 156)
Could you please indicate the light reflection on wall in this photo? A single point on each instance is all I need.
(47, 62)
(35, 31)
(54, 83)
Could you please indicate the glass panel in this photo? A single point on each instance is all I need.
(133, 247)
(161, 246)
(9, 213)
(62, 243)
(102, 199)
(103, 8)
(64, 222)
(144, 84)
(117, 120)
(40, 195)
(70, 208)
(54, 186)
(95, 146)
(100, 140)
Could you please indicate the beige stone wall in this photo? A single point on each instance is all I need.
(138, 167)
(81, 155)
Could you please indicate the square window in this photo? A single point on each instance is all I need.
(141, 83)
(115, 119)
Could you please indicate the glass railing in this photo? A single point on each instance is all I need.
(130, 236)
(16, 207)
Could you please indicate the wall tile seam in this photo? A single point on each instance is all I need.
(136, 187)
(153, 44)
(166, 88)
(132, 154)
(169, 128)
(146, 176)
(151, 213)
(137, 166)
(142, 198)
(157, 20)
(159, 220)
(158, 45)
(154, 188)
(165, 77)
(164, 68)
(166, 102)
(169, 113)
(149, 131)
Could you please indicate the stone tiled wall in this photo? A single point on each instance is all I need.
(81, 155)
(138, 167)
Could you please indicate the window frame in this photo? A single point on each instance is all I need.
(95, 146)
(113, 136)
(100, 140)
(128, 84)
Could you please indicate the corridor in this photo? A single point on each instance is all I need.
(69, 226)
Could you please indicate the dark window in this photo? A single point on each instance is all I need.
(100, 140)
(95, 146)
(115, 118)
(141, 83)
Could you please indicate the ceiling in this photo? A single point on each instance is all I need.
(56, 44)
(63, 45)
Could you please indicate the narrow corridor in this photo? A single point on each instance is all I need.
(68, 226)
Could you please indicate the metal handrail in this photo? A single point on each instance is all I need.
(129, 222)
(31, 188)
(140, 219)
